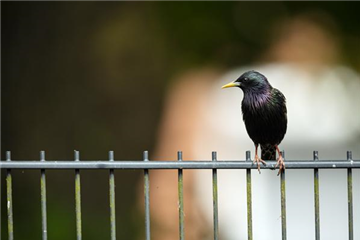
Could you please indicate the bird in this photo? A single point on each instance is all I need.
(264, 114)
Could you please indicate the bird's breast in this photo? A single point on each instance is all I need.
(265, 121)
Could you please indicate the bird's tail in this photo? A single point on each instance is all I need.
(268, 152)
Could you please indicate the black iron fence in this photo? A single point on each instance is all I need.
(147, 165)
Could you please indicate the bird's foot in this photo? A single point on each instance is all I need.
(258, 160)
(281, 164)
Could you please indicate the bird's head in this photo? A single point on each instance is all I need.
(250, 81)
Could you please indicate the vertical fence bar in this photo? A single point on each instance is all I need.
(350, 198)
(316, 198)
(181, 200)
(43, 198)
(78, 198)
(147, 198)
(9, 199)
(112, 199)
(249, 197)
(215, 199)
(283, 201)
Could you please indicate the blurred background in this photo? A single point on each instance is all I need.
(94, 76)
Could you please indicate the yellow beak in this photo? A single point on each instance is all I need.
(232, 84)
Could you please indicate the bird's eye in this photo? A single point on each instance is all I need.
(246, 79)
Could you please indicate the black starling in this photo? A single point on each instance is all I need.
(264, 113)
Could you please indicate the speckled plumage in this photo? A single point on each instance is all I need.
(264, 112)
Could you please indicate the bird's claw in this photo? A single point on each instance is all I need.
(281, 164)
(258, 160)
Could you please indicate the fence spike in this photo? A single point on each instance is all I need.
(215, 198)
(181, 199)
(43, 198)
(350, 198)
(78, 198)
(147, 197)
(112, 199)
(9, 199)
(249, 197)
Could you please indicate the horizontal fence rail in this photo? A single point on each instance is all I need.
(120, 164)
(146, 164)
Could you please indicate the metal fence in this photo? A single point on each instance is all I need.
(147, 165)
